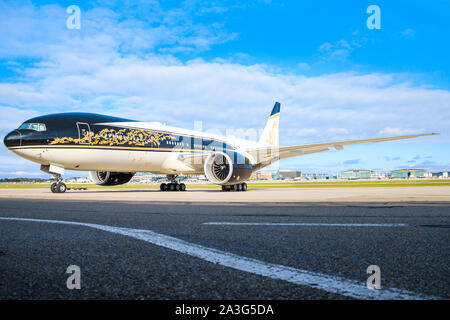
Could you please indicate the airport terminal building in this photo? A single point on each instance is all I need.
(356, 174)
(408, 173)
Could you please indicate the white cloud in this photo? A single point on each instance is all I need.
(26, 173)
(11, 162)
(338, 131)
(338, 50)
(304, 132)
(397, 131)
(36, 31)
(303, 66)
(227, 95)
(10, 116)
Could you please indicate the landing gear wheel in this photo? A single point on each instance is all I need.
(173, 185)
(60, 187)
(235, 187)
(53, 187)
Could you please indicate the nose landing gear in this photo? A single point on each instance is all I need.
(235, 187)
(59, 186)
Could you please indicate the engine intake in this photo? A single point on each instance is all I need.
(106, 178)
(227, 168)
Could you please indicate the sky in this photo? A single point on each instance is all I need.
(223, 64)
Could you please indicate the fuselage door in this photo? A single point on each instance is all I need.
(83, 133)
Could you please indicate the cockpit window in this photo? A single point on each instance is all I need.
(25, 126)
(33, 126)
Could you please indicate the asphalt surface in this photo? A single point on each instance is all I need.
(34, 256)
(257, 195)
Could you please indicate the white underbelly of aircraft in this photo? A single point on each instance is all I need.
(87, 159)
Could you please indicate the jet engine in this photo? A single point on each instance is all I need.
(227, 168)
(106, 178)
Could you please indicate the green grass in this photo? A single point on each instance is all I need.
(261, 185)
(353, 184)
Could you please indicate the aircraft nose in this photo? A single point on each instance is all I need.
(13, 139)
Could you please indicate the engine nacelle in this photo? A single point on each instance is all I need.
(227, 168)
(106, 178)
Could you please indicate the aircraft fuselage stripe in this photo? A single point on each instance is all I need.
(109, 148)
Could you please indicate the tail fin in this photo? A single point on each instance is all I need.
(269, 136)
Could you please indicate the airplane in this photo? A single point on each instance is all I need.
(113, 149)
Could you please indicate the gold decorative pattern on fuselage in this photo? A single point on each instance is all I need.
(113, 137)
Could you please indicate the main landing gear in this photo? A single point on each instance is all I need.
(59, 186)
(235, 187)
(173, 185)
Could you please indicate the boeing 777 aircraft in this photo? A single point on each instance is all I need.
(113, 149)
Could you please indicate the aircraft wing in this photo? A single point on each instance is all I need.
(270, 154)
(267, 155)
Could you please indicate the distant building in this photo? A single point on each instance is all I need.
(78, 180)
(439, 175)
(146, 178)
(377, 175)
(356, 174)
(276, 175)
(263, 175)
(290, 174)
(318, 176)
(408, 173)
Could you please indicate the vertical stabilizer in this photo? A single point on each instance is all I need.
(269, 136)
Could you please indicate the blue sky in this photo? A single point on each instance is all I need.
(226, 62)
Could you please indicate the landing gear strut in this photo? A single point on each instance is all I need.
(173, 185)
(235, 187)
(59, 186)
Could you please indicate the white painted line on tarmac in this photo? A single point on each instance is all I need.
(334, 284)
(306, 224)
